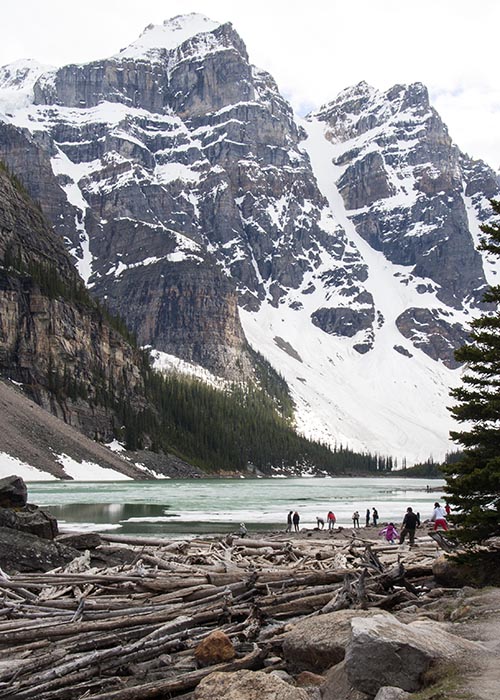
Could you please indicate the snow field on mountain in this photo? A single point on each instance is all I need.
(169, 35)
(380, 401)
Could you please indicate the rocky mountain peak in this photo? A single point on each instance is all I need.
(172, 33)
(206, 215)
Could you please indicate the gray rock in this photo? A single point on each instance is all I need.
(386, 652)
(23, 552)
(13, 492)
(30, 519)
(429, 330)
(317, 643)
(247, 685)
(337, 685)
(391, 693)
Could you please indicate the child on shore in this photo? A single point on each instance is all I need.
(389, 532)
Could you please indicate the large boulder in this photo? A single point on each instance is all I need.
(247, 685)
(30, 518)
(21, 551)
(386, 652)
(338, 687)
(317, 643)
(13, 492)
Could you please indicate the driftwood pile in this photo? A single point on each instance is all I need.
(130, 632)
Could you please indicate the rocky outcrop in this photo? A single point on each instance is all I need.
(13, 492)
(386, 652)
(402, 183)
(22, 551)
(188, 157)
(52, 337)
(30, 519)
(429, 330)
(318, 643)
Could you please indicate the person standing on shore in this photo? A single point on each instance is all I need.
(408, 527)
(355, 519)
(375, 516)
(367, 518)
(296, 521)
(289, 522)
(331, 519)
(439, 517)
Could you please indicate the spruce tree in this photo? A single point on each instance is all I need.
(473, 482)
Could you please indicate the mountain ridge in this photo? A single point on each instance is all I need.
(189, 189)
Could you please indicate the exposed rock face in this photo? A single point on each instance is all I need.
(31, 519)
(46, 336)
(21, 551)
(402, 184)
(191, 198)
(317, 643)
(187, 157)
(386, 652)
(429, 330)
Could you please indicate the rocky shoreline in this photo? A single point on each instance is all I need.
(310, 616)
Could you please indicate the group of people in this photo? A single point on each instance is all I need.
(373, 516)
(411, 521)
(409, 525)
(293, 520)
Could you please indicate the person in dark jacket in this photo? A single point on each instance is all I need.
(410, 522)
(296, 521)
(289, 522)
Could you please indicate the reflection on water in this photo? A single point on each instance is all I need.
(108, 512)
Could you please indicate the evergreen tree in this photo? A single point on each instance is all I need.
(473, 482)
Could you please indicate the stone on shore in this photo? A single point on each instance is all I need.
(24, 552)
(13, 492)
(30, 519)
(318, 643)
(386, 652)
(247, 685)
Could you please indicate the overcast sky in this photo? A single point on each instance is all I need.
(313, 48)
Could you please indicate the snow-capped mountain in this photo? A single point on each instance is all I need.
(342, 247)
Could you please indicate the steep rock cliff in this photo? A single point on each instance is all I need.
(52, 336)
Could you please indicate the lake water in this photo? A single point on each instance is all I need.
(200, 506)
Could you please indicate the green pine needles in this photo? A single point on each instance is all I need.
(473, 483)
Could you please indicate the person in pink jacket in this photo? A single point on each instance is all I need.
(389, 532)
